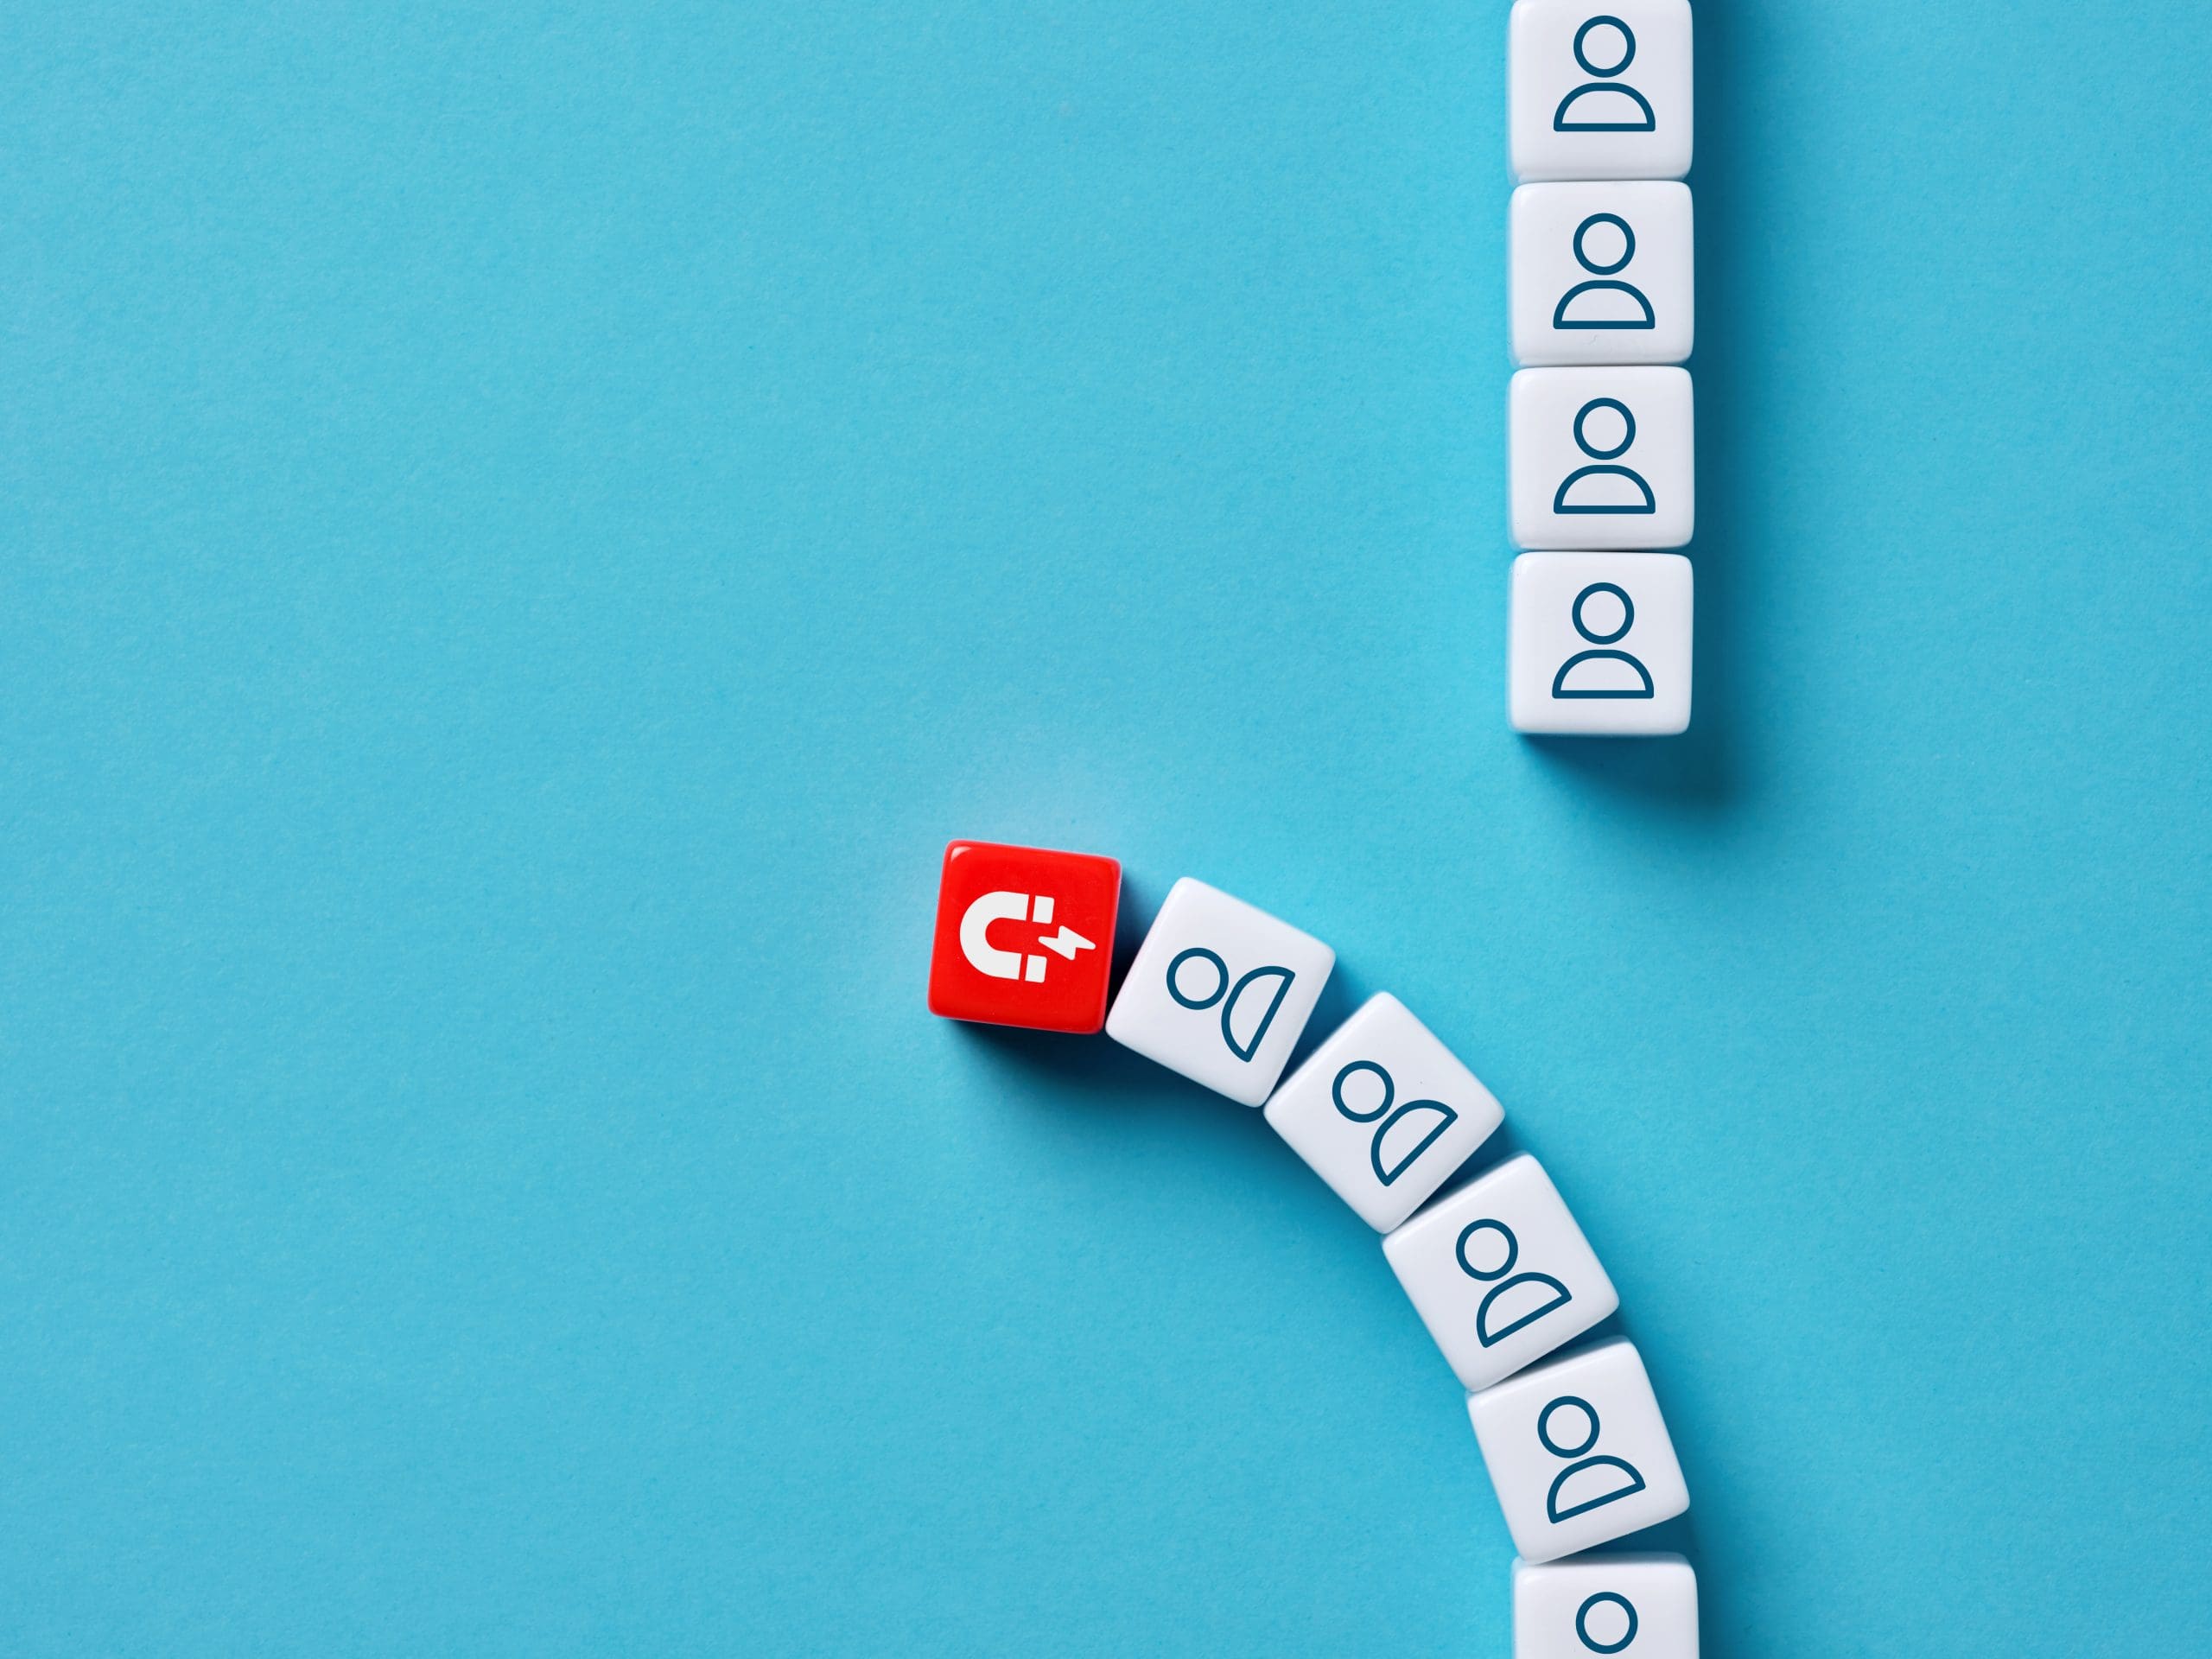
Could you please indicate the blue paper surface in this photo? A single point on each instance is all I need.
(523, 529)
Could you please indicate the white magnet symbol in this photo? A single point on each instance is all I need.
(986, 958)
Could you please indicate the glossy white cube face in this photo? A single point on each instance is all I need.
(1641, 1607)
(1603, 273)
(1600, 643)
(1600, 89)
(1383, 1112)
(1499, 1272)
(1220, 991)
(1578, 1452)
(1603, 458)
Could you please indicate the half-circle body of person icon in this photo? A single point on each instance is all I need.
(1399, 1137)
(1512, 1303)
(1599, 1616)
(1234, 1007)
(1591, 1480)
(1602, 300)
(1602, 672)
(1605, 102)
(1604, 485)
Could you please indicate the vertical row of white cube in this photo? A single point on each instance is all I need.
(1386, 1114)
(1602, 419)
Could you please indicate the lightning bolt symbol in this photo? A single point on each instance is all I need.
(1066, 943)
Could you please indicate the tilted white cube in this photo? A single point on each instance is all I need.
(1499, 1272)
(1578, 1452)
(1383, 1112)
(1220, 991)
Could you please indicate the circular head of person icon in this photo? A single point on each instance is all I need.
(1604, 46)
(1606, 1621)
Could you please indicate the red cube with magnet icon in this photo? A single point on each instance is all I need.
(1025, 937)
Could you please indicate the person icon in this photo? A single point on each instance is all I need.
(1587, 489)
(1610, 1478)
(1221, 988)
(1508, 1305)
(1605, 104)
(1602, 300)
(1601, 675)
(1414, 1112)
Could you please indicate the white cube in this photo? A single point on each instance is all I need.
(1600, 89)
(1644, 1605)
(1383, 1112)
(1600, 643)
(1603, 273)
(1602, 458)
(1578, 1452)
(1499, 1272)
(1220, 991)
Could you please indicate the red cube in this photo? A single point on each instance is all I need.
(1024, 937)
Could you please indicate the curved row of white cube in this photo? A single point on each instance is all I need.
(1386, 1114)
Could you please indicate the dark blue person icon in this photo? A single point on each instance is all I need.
(1602, 672)
(1256, 1018)
(1600, 1616)
(1591, 1479)
(1603, 485)
(1515, 1300)
(1389, 1152)
(1602, 300)
(1604, 47)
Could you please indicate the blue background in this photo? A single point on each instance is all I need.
(527, 527)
